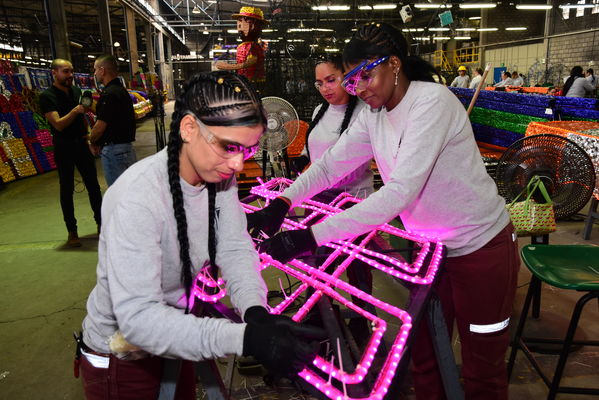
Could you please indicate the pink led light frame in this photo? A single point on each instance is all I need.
(329, 284)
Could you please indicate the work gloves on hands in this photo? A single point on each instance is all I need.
(269, 219)
(281, 345)
(287, 245)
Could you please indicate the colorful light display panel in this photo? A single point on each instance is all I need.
(323, 276)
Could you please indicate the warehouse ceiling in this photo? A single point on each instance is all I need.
(204, 24)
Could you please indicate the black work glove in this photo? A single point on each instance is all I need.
(298, 164)
(287, 245)
(281, 345)
(269, 219)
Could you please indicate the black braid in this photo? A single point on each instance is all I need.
(349, 111)
(219, 99)
(173, 148)
(323, 109)
(211, 229)
(375, 40)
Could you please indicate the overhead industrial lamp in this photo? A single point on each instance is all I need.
(566, 6)
(478, 5)
(534, 6)
(196, 10)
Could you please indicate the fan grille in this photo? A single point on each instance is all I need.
(564, 167)
(279, 131)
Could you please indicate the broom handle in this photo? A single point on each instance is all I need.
(478, 88)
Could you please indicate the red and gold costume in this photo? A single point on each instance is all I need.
(250, 53)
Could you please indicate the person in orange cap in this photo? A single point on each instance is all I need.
(250, 54)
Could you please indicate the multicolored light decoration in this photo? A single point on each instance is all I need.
(427, 257)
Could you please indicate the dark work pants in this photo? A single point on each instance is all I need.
(68, 155)
(477, 291)
(133, 380)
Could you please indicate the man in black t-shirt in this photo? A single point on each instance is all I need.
(114, 129)
(60, 105)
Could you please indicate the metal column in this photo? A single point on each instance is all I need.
(131, 40)
(57, 28)
(105, 31)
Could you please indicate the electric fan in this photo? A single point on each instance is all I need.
(281, 131)
(564, 167)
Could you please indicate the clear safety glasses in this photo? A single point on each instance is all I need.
(358, 77)
(225, 148)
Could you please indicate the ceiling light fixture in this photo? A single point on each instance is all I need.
(117, 44)
(384, 6)
(196, 10)
(331, 8)
(462, 37)
(232, 31)
(567, 6)
(364, 8)
(516, 28)
(466, 29)
(478, 5)
(534, 6)
(438, 29)
(474, 18)
(331, 50)
(487, 29)
(441, 38)
(90, 56)
(413, 30)
(429, 5)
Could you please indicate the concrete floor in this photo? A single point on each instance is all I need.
(44, 288)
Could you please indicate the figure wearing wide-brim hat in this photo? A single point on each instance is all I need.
(250, 54)
(251, 12)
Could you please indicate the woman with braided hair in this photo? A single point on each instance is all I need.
(329, 120)
(434, 179)
(166, 217)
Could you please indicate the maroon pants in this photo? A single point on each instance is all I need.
(133, 380)
(477, 291)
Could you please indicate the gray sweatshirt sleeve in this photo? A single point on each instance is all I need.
(351, 151)
(236, 257)
(134, 276)
(427, 131)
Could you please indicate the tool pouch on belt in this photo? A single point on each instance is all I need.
(78, 345)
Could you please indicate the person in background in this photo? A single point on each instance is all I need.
(114, 130)
(166, 218)
(517, 80)
(506, 80)
(478, 76)
(462, 80)
(438, 76)
(330, 121)
(591, 77)
(552, 91)
(421, 137)
(576, 85)
(60, 105)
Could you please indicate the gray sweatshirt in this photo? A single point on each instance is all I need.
(461, 81)
(139, 284)
(433, 174)
(325, 134)
(579, 87)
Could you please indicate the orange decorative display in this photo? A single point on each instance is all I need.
(575, 131)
